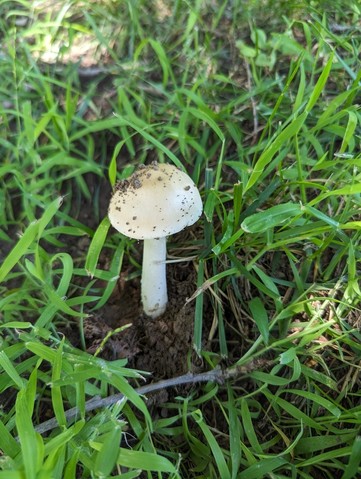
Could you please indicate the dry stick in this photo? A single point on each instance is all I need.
(216, 375)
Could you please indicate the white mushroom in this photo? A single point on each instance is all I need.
(154, 202)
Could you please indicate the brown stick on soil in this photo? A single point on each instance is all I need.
(216, 375)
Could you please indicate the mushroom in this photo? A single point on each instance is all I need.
(156, 201)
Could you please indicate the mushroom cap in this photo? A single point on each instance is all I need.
(157, 200)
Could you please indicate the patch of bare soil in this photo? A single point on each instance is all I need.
(160, 346)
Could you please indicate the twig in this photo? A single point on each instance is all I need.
(334, 27)
(216, 375)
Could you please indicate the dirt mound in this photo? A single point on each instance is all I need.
(160, 346)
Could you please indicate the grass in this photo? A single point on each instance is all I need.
(258, 101)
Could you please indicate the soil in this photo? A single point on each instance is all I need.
(160, 346)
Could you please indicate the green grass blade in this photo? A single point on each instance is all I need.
(321, 82)
(260, 317)
(352, 469)
(10, 370)
(11, 475)
(71, 467)
(213, 444)
(263, 468)
(44, 352)
(48, 214)
(204, 116)
(310, 445)
(234, 433)
(198, 314)
(63, 438)
(107, 456)
(7, 443)
(297, 414)
(154, 142)
(33, 230)
(62, 303)
(350, 130)
(325, 457)
(115, 268)
(122, 385)
(145, 461)
(249, 428)
(19, 250)
(274, 216)
(29, 440)
(67, 272)
(163, 60)
(321, 401)
(112, 169)
(96, 246)
(286, 134)
(56, 395)
(301, 88)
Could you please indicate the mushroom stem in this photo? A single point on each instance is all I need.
(154, 281)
